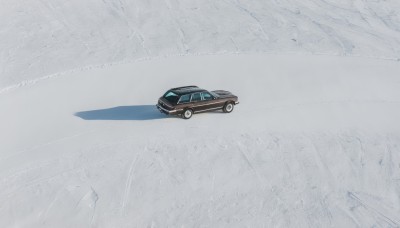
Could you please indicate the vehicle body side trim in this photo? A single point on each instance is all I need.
(205, 110)
(209, 104)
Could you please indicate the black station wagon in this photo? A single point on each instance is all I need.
(185, 101)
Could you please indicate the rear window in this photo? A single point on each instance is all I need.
(171, 97)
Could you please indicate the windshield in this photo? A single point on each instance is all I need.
(171, 97)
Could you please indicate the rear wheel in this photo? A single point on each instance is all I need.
(187, 114)
(228, 108)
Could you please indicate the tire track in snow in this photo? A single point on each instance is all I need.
(391, 220)
(332, 102)
(31, 82)
(37, 181)
(46, 144)
(321, 162)
(45, 213)
(94, 197)
(128, 183)
(250, 164)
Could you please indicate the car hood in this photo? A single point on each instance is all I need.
(223, 93)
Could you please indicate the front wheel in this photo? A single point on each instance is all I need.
(187, 114)
(228, 108)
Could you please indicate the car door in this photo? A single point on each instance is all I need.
(197, 103)
(209, 102)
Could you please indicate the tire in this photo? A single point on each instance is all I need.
(187, 114)
(228, 108)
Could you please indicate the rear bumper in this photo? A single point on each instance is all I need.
(237, 102)
(166, 111)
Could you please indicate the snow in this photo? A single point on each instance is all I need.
(43, 38)
(314, 142)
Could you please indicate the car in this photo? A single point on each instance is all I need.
(187, 100)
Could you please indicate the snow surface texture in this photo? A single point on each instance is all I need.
(41, 38)
(315, 142)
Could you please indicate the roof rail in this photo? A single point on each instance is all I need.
(185, 87)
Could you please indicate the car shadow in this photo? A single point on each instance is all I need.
(134, 112)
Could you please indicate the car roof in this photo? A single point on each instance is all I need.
(186, 90)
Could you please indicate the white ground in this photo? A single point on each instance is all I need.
(315, 142)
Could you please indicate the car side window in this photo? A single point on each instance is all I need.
(184, 99)
(206, 96)
(196, 97)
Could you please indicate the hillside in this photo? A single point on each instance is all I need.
(41, 38)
